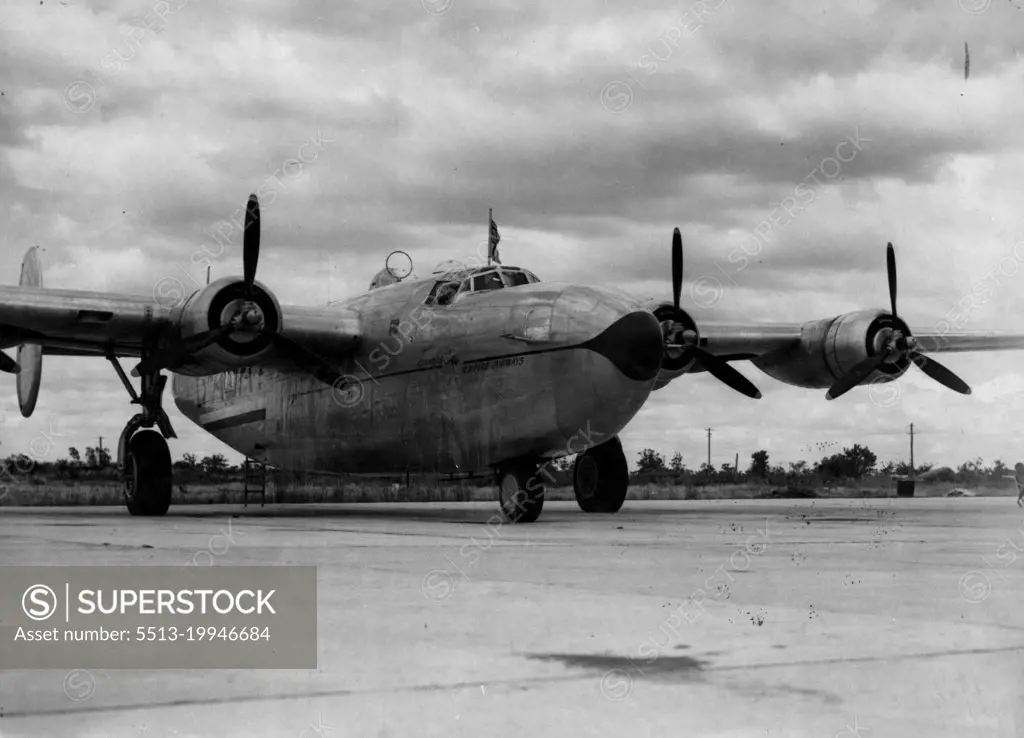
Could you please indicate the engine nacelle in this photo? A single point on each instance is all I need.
(213, 307)
(830, 348)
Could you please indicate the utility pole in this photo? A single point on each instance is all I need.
(709, 451)
(911, 450)
(736, 468)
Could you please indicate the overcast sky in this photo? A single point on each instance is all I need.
(128, 130)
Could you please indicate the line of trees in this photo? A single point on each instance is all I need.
(855, 462)
(98, 462)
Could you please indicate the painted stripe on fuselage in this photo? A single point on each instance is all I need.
(230, 421)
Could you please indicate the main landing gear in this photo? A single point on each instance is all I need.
(520, 491)
(600, 478)
(143, 458)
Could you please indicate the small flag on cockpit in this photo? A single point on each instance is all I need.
(493, 239)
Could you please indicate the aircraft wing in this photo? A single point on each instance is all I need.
(735, 341)
(226, 324)
(863, 347)
(77, 323)
(932, 340)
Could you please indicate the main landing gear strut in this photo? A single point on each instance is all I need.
(143, 459)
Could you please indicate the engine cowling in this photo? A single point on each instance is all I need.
(213, 307)
(830, 348)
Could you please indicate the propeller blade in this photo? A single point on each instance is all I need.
(726, 374)
(171, 358)
(939, 373)
(207, 338)
(677, 267)
(8, 365)
(855, 376)
(890, 267)
(251, 243)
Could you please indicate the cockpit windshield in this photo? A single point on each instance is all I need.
(481, 279)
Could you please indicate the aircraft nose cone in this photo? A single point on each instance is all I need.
(633, 343)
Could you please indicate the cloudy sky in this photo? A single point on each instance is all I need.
(130, 129)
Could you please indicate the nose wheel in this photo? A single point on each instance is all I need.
(600, 478)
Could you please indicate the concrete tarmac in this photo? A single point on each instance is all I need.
(871, 618)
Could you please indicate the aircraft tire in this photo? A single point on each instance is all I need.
(600, 478)
(520, 493)
(148, 489)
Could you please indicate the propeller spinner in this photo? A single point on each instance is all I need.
(897, 344)
(682, 339)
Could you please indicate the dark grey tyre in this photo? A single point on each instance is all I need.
(520, 492)
(148, 484)
(600, 478)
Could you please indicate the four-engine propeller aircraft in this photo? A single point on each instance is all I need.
(466, 371)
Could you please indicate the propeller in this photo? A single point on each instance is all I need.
(248, 320)
(897, 344)
(676, 329)
(8, 365)
(251, 244)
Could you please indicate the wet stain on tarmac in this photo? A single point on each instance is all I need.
(665, 666)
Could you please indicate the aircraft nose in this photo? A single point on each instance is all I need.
(614, 325)
(606, 377)
(633, 344)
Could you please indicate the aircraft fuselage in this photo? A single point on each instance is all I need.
(540, 370)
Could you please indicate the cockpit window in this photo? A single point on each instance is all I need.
(481, 280)
(442, 293)
(515, 279)
(489, 281)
